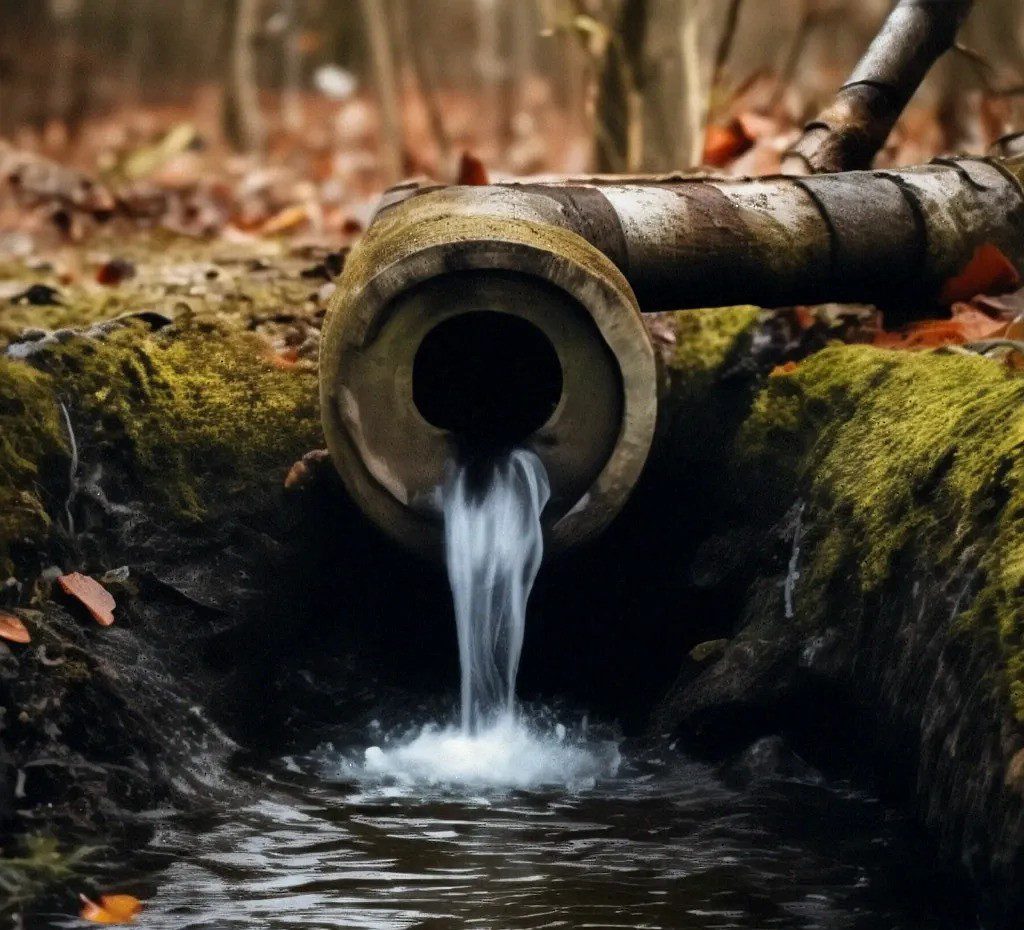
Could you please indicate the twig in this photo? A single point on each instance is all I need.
(986, 71)
(793, 574)
(72, 470)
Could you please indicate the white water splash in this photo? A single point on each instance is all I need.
(507, 753)
(493, 546)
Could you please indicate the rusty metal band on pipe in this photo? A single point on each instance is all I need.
(861, 236)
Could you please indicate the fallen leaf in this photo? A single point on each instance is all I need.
(39, 295)
(989, 271)
(90, 594)
(115, 271)
(472, 171)
(724, 143)
(111, 909)
(966, 325)
(785, 368)
(285, 220)
(12, 629)
(146, 160)
(301, 473)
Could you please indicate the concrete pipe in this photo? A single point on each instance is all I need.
(466, 318)
(510, 314)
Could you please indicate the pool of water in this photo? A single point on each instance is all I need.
(664, 842)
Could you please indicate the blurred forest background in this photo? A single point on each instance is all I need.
(243, 109)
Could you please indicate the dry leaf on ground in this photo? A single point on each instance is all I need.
(12, 629)
(90, 594)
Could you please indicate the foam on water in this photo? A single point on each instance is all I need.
(507, 753)
(493, 547)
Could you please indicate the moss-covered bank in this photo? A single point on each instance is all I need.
(144, 442)
(177, 391)
(903, 456)
(876, 502)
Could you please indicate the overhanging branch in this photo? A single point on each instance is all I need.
(848, 133)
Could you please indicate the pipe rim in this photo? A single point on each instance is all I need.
(569, 263)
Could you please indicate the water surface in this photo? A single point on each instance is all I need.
(664, 843)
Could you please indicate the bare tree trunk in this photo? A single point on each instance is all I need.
(619, 119)
(490, 68)
(694, 89)
(291, 102)
(848, 133)
(243, 122)
(425, 75)
(383, 59)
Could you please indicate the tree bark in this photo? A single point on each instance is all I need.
(382, 55)
(243, 122)
(619, 117)
(848, 133)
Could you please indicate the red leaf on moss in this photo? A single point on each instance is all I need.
(472, 170)
(724, 143)
(91, 595)
(12, 629)
(989, 271)
(785, 368)
(115, 271)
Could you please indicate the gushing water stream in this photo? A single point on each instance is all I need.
(493, 547)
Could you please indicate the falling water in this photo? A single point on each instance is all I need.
(493, 547)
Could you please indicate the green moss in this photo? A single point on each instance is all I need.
(906, 455)
(200, 413)
(31, 435)
(40, 867)
(706, 339)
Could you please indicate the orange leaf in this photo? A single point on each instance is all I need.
(12, 629)
(90, 594)
(724, 143)
(285, 220)
(967, 325)
(111, 909)
(472, 170)
(784, 369)
(989, 271)
(976, 325)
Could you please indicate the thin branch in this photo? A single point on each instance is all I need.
(72, 470)
(848, 133)
(986, 72)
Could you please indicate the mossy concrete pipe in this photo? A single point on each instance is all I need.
(510, 313)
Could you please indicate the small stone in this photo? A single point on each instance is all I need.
(39, 295)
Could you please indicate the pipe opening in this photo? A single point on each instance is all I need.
(491, 379)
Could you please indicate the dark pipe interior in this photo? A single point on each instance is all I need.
(489, 378)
